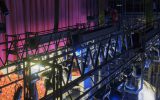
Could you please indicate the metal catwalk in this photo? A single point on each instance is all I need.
(101, 54)
(114, 57)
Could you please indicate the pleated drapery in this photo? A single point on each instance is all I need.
(38, 15)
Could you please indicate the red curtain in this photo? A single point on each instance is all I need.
(38, 15)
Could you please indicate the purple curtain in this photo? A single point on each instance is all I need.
(38, 15)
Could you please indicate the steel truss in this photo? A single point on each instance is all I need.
(105, 55)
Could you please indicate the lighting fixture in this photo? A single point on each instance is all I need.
(36, 68)
(133, 85)
(130, 84)
(78, 52)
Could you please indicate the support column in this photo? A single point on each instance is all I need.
(148, 12)
(56, 15)
(101, 12)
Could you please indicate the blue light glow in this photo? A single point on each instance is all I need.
(78, 52)
(88, 81)
(115, 97)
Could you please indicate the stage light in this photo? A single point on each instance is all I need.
(134, 81)
(117, 87)
(133, 85)
(36, 68)
(129, 84)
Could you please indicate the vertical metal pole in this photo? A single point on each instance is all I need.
(28, 71)
(56, 16)
(101, 12)
(24, 70)
(56, 24)
(148, 12)
(24, 81)
(68, 4)
(60, 80)
(53, 78)
(7, 49)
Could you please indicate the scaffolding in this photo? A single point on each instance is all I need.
(99, 53)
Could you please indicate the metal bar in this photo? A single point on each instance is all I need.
(118, 70)
(76, 81)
